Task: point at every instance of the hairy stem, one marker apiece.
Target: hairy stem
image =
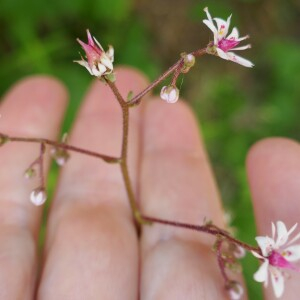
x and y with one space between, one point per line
209 229
124 152
137 99
106 158
221 260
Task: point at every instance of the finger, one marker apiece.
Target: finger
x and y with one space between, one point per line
177 184
91 240
274 177
32 108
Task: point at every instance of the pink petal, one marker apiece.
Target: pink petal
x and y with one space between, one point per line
90 39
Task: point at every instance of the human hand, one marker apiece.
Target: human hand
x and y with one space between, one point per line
92 250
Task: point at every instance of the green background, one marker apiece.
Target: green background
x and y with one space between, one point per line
237 106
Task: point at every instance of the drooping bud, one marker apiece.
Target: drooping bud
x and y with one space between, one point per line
239 252
61 156
38 196
169 93
235 290
3 139
30 173
188 62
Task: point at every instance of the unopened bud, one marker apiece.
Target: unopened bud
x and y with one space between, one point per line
61 156
38 196
3 139
188 62
235 290
30 173
239 252
169 93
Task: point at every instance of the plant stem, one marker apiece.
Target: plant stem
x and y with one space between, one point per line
221 261
106 158
124 152
137 99
209 229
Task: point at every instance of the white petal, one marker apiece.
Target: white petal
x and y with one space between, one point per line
266 244
282 234
110 53
210 25
273 231
292 253
234 34
222 54
257 255
243 38
99 45
240 60
98 71
208 15
293 228
222 27
84 64
106 61
294 239
277 282
262 274
241 48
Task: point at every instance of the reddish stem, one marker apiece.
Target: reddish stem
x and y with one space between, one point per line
209 229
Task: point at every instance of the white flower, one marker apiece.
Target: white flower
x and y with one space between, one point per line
99 63
38 196
277 254
169 93
222 43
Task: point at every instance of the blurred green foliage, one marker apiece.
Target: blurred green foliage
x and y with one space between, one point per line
237 107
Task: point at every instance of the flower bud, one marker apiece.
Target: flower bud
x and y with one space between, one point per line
61 156
188 62
3 139
239 252
38 196
30 173
169 93
235 290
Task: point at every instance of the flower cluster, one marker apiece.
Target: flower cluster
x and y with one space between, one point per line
223 44
277 254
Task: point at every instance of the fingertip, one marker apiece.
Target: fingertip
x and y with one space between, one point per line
47 87
176 121
268 154
132 77
273 167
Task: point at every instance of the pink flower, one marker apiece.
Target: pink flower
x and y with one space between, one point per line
277 254
98 63
223 44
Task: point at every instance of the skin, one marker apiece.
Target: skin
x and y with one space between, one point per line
92 250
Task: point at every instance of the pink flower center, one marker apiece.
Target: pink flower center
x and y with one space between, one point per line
277 260
226 45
